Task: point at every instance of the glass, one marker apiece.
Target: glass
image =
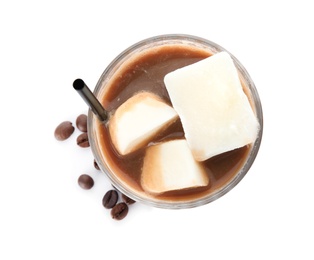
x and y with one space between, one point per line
100 89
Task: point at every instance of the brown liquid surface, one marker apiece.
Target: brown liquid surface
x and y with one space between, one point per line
147 73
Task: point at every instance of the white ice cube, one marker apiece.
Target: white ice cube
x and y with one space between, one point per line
215 112
138 120
171 166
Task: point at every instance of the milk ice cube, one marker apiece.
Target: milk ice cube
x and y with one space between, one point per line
138 120
215 112
171 166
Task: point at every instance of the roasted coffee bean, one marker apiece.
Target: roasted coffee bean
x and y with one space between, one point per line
82 140
64 130
81 122
127 200
96 165
85 181
110 199
119 211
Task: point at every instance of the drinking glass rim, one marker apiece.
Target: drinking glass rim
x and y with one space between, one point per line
148 44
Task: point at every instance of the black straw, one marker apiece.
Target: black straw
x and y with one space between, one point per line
90 99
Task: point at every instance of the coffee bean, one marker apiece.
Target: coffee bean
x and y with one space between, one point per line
96 165
64 130
119 211
110 199
81 122
82 140
85 181
127 200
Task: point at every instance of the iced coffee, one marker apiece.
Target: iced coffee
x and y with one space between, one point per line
184 125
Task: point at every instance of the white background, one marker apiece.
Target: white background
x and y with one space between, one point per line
45 45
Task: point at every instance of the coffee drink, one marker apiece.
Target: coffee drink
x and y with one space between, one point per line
144 71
